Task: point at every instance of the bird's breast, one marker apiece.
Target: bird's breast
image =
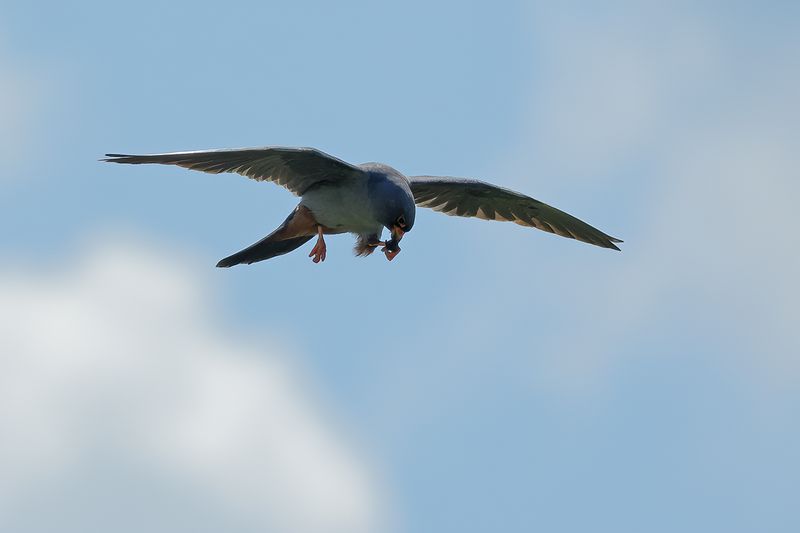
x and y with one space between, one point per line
345 209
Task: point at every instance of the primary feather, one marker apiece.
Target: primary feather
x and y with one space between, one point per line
297 169
473 198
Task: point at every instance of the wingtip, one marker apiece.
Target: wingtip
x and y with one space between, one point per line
611 243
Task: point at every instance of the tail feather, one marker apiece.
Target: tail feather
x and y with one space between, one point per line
266 248
298 228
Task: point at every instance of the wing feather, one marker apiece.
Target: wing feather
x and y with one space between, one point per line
297 169
473 198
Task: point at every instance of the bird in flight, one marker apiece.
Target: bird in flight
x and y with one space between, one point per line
338 197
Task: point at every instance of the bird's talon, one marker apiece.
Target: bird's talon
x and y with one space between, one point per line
319 251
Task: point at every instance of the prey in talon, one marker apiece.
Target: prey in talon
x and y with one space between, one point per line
339 197
391 249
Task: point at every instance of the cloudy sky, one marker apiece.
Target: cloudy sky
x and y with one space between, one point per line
492 377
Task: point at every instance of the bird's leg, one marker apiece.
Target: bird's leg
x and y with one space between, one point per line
390 247
319 250
366 244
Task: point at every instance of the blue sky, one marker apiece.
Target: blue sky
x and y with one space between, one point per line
492 376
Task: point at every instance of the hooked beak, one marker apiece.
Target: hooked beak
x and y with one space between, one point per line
397 233
391 249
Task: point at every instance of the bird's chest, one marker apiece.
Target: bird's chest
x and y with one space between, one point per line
344 209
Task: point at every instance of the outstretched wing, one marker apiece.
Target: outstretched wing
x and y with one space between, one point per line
297 169
473 198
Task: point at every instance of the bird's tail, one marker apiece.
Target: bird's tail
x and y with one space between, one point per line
293 233
266 248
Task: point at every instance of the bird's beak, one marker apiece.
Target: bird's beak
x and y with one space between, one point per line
397 233
391 249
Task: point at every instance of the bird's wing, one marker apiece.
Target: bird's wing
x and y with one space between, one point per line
297 169
473 198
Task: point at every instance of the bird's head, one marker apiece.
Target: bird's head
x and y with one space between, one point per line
393 203
401 225
398 228
399 221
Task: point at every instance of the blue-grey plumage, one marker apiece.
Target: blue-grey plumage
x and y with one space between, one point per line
393 190
337 197
383 199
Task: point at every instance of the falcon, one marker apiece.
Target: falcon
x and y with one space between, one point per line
339 197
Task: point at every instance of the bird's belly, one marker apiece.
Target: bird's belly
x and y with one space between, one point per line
342 210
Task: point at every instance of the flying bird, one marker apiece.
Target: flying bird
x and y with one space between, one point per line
338 197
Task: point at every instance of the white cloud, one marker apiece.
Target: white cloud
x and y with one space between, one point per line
714 117
20 95
606 77
715 251
115 363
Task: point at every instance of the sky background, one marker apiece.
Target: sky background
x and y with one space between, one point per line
492 377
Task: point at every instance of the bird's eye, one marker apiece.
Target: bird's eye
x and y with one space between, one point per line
401 221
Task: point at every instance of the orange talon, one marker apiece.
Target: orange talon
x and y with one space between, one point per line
319 251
